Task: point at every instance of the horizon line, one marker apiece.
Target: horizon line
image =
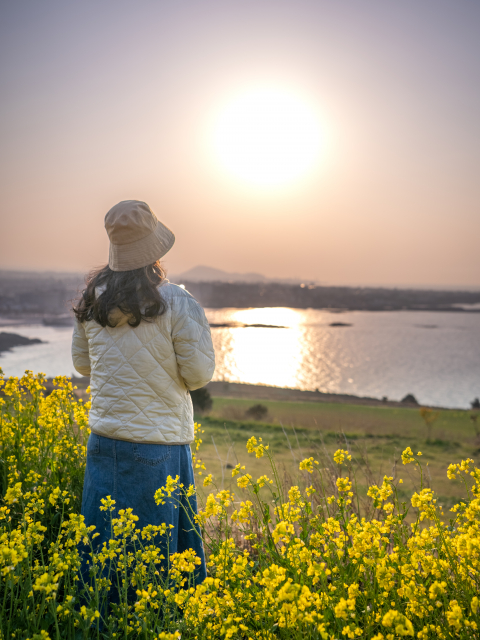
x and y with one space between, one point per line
307 281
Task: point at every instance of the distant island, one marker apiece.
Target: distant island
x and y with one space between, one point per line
300 296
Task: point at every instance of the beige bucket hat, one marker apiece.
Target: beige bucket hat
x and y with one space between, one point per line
137 238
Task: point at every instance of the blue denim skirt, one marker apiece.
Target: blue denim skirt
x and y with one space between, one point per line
131 473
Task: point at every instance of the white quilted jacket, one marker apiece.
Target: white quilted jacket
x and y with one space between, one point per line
140 376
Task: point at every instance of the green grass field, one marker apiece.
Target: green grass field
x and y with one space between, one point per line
376 437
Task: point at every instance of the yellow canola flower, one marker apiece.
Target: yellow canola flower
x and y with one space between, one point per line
399 622
254 446
407 456
54 496
47 583
191 491
43 635
451 471
260 451
344 484
166 491
437 589
225 498
236 470
208 480
423 499
380 494
125 523
269 559
282 532
294 495
107 504
474 605
462 467
455 615
185 562
307 465
340 455
263 480
13 493
343 607
244 481
212 508
244 513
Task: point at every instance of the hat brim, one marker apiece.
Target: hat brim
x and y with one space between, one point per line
141 253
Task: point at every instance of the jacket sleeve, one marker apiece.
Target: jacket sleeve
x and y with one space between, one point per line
80 357
192 342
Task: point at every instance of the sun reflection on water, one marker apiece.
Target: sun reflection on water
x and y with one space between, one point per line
269 354
284 347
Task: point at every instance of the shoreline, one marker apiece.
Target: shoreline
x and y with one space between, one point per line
28 319
224 389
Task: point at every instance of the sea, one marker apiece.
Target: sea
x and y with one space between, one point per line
433 355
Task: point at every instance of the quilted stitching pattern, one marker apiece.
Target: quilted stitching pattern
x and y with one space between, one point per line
140 376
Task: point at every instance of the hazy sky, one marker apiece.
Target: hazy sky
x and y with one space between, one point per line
108 100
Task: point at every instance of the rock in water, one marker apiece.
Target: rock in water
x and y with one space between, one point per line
9 340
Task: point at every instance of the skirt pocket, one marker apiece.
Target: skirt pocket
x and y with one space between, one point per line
151 454
93 445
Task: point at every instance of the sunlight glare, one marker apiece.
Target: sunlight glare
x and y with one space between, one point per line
267 137
252 354
276 316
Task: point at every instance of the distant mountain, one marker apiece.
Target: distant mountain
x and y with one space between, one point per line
203 273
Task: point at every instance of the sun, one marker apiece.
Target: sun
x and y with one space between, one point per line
267 137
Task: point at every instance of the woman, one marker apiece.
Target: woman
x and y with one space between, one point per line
145 343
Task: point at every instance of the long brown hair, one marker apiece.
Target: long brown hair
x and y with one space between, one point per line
134 292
